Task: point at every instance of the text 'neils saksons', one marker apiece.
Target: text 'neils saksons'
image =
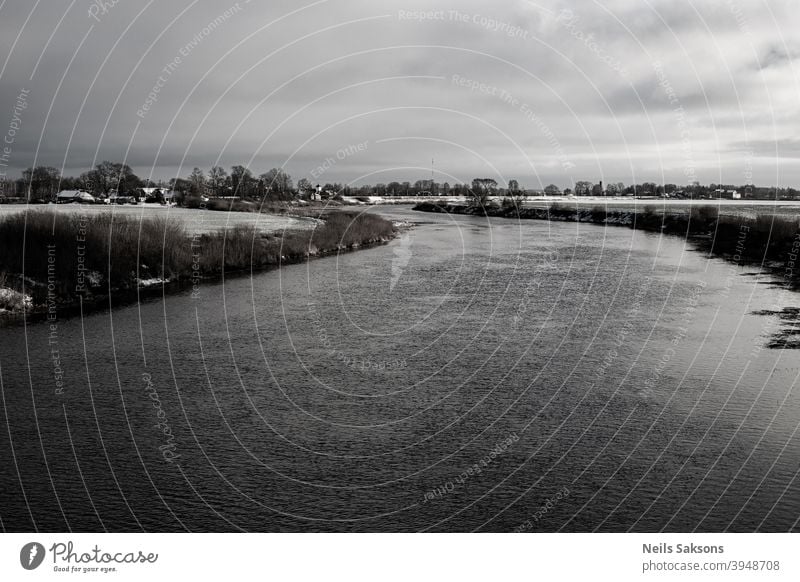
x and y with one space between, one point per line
663 548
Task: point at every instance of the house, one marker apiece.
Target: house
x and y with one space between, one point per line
79 196
159 194
727 194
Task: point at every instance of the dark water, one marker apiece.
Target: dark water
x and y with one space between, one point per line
472 375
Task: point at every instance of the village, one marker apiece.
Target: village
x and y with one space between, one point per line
116 183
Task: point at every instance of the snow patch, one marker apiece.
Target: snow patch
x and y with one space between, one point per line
151 282
11 300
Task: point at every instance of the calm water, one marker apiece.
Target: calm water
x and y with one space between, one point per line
472 375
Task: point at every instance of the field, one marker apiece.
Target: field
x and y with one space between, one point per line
734 208
739 208
194 220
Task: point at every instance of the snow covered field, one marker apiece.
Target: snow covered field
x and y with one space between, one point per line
727 207
195 220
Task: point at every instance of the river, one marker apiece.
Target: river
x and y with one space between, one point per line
473 375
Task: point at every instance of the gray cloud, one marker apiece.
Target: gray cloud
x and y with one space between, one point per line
289 83
778 55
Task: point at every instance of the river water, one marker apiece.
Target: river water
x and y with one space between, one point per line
474 374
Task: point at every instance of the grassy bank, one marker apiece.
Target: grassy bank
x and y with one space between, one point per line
765 240
270 207
51 259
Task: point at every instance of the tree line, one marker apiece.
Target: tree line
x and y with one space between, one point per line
43 183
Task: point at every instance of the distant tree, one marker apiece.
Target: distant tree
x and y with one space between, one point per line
597 189
7 188
516 195
552 190
514 189
393 188
70 183
482 189
241 181
198 181
217 179
42 182
180 185
108 176
86 181
277 183
20 188
567 191
611 189
305 188
583 188
445 189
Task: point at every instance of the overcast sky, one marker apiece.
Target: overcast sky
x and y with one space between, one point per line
644 90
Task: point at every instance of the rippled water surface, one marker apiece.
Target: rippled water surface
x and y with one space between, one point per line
473 374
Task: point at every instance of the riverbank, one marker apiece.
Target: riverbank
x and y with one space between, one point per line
766 240
52 262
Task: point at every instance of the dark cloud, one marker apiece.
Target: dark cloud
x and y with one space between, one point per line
290 84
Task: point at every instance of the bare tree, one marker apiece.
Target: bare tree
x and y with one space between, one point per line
217 178
198 181
482 189
108 176
583 188
42 182
305 188
277 183
242 181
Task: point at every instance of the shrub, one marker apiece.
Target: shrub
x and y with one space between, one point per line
777 230
599 214
193 202
704 216
648 219
100 250
105 252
